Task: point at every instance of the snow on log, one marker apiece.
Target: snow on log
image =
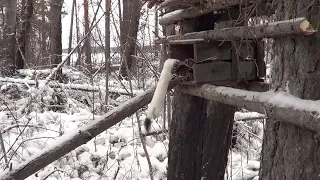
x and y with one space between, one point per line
274 29
81 87
192 12
279 105
71 140
171 3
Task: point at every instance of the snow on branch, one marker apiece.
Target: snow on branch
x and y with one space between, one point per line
71 140
81 87
193 12
268 30
279 105
170 3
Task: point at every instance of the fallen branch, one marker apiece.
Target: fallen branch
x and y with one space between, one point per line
80 87
279 105
80 136
268 30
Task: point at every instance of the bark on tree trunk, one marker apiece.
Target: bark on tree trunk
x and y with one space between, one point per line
55 34
290 152
107 48
23 33
74 2
129 31
200 132
9 38
87 47
43 45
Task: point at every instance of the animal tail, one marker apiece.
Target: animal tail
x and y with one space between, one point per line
147 124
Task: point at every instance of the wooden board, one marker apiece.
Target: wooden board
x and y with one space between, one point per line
222 71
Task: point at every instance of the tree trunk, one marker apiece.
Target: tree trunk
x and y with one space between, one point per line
87 47
43 44
27 13
74 2
200 131
9 38
55 34
107 48
129 31
291 152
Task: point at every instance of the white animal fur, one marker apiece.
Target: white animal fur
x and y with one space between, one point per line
157 102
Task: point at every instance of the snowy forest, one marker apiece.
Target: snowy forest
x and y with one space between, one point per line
234 87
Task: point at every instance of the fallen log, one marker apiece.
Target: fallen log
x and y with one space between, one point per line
279 105
80 87
71 140
269 30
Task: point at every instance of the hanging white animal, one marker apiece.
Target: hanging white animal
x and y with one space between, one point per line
157 102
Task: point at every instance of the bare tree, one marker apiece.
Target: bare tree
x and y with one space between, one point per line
87 48
74 2
289 151
107 46
55 33
129 29
9 38
25 20
43 44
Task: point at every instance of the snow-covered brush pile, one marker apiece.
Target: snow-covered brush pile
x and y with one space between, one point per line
115 154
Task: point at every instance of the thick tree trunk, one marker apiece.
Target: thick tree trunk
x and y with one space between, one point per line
200 131
23 33
7 64
129 31
291 152
55 33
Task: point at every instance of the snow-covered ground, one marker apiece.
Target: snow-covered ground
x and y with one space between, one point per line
116 153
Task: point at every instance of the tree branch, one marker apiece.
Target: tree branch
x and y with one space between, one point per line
279 105
274 29
71 140
193 12
80 87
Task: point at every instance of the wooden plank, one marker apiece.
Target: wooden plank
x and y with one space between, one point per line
222 71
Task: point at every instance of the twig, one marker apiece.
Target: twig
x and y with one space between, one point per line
23 107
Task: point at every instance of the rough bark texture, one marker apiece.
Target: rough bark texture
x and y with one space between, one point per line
129 31
55 33
23 33
290 152
7 63
199 133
